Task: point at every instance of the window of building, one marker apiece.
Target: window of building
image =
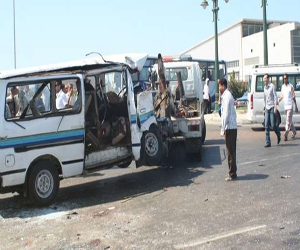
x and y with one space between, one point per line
296 46
249 29
233 64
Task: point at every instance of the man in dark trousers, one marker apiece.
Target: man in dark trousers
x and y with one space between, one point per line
270 110
229 128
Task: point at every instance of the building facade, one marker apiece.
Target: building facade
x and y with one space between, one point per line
241 46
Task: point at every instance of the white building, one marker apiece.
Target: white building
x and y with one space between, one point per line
241 45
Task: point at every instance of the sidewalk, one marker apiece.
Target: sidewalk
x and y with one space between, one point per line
214 118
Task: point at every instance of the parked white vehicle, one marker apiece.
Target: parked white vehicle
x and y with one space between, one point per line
41 144
256 89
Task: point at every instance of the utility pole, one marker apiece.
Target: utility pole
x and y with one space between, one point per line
15 50
215 10
265 27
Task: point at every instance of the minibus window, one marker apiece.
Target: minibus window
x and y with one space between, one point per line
280 82
260 84
297 83
291 80
32 98
172 76
273 79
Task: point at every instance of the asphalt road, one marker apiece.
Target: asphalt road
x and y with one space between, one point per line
182 205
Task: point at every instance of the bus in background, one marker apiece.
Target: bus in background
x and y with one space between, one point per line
207 68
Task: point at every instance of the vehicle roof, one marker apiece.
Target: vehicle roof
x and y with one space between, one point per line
134 61
179 64
275 69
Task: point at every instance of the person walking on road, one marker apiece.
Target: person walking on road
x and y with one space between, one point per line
288 96
206 97
270 110
229 128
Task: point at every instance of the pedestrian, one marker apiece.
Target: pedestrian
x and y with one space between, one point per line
288 96
206 97
229 128
270 109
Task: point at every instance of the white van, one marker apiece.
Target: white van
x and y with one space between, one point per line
104 127
256 89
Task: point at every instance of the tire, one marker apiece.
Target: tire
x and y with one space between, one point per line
125 164
203 132
153 146
194 148
43 184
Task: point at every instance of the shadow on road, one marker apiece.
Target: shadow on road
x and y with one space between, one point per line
251 177
178 172
280 128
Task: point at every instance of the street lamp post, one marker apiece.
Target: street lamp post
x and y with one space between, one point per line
265 27
15 50
215 12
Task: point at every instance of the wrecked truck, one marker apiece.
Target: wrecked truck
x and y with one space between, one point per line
45 138
179 105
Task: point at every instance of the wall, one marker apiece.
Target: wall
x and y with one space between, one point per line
253 49
229 46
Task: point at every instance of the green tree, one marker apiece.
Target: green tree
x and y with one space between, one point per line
237 88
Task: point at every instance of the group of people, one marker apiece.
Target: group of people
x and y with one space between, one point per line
18 98
271 101
65 97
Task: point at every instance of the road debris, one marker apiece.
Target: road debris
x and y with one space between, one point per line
111 208
285 176
127 199
206 199
164 190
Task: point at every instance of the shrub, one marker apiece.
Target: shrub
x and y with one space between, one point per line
237 88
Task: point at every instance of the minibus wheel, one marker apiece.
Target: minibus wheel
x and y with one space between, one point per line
153 146
125 164
43 183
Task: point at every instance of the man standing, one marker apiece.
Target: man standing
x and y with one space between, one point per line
270 108
229 128
288 96
206 97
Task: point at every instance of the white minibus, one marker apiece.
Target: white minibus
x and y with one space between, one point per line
256 89
45 138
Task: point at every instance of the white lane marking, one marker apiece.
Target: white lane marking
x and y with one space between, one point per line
218 237
279 157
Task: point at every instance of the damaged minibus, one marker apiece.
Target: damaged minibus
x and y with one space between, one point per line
44 137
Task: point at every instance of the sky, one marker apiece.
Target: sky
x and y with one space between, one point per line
52 31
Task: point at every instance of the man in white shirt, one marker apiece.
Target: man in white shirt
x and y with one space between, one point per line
206 97
270 109
70 96
229 128
61 98
288 96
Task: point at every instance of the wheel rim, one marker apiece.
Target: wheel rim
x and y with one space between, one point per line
151 146
44 184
